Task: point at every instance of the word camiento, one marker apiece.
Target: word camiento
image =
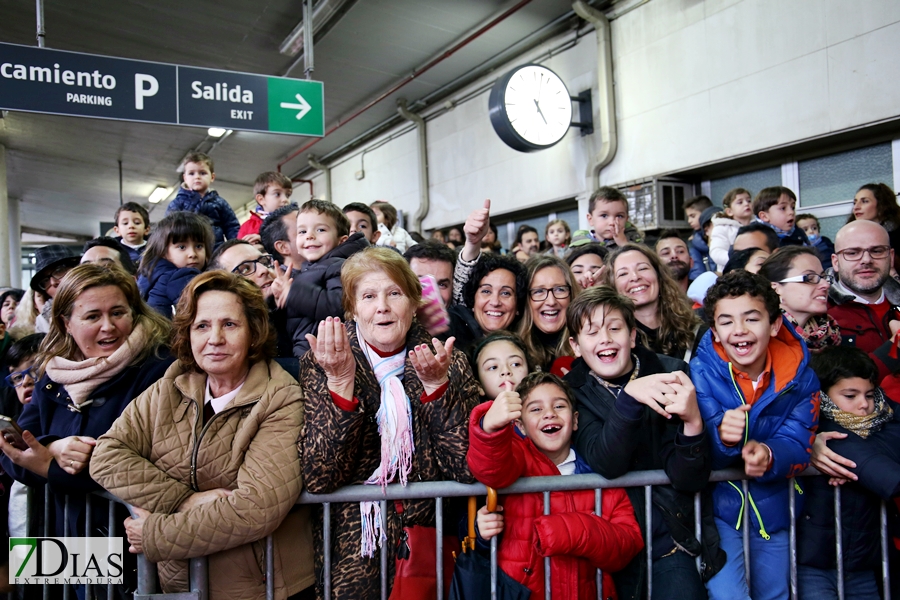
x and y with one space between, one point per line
43 74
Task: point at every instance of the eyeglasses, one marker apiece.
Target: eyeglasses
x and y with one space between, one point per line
854 254
810 278
248 267
55 277
18 378
559 292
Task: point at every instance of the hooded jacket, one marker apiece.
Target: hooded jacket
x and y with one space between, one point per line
699 251
164 286
577 541
317 293
784 417
721 239
159 453
223 220
250 226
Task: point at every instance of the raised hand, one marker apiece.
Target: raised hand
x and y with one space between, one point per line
281 287
332 350
432 367
756 458
476 227
731 431
653 391
506 409
619 234
683 402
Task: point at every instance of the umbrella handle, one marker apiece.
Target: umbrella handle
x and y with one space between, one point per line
491 499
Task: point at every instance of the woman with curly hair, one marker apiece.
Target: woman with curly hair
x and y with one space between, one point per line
663 312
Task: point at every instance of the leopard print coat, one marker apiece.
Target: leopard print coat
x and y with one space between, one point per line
343 448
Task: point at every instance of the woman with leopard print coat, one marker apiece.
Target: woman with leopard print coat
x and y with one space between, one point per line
378 370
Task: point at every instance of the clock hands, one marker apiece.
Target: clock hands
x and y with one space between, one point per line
538 106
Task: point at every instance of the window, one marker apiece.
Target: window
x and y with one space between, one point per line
836 177
752 181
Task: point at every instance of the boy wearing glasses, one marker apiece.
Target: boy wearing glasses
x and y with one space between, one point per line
865 298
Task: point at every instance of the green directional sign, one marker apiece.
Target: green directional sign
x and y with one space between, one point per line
296 106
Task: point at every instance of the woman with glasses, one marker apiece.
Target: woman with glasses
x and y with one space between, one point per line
662 310
104 348
551 287
797 275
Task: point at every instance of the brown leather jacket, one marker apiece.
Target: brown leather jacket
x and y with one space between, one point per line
158 453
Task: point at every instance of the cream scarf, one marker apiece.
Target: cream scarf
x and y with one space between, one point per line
84 376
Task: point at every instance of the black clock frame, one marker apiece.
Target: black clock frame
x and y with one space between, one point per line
500 118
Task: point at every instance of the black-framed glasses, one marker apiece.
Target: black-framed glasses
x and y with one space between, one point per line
17 378
56 275
810 278
248 267
560 292
853 254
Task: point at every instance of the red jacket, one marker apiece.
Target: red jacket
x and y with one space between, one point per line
578 541
250 226
861 327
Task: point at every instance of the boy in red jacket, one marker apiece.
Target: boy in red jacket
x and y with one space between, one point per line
578 541
272 190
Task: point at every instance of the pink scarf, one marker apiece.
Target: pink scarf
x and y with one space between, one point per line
84 376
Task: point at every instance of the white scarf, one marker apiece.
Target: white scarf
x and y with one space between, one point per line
394 418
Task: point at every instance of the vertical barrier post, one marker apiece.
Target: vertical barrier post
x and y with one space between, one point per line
746 526
66 532
648 515
792 508
326 535
47 500
838 542
547 592
698 530
494 568
111 526
88 530
199 576
439 540
270 567
598 510
384 551
885 568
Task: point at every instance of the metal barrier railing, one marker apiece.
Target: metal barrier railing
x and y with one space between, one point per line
148 584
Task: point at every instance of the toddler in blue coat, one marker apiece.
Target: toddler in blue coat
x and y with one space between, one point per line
760 401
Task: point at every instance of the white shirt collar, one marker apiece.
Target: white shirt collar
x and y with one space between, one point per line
842 288
567 467
222 401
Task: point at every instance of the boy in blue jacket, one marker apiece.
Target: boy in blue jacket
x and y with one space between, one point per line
196 197
760 401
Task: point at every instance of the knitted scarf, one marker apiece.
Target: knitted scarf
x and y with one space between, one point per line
861 426
820 332
394 418
82 377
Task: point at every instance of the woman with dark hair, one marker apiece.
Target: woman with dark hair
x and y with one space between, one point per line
662 310
104 348
551 286
748 259
587 263
878 202
802 284
208 454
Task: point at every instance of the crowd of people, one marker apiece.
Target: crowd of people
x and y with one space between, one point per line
206 372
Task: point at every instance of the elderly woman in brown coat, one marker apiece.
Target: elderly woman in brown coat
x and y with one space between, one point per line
208 454
378 370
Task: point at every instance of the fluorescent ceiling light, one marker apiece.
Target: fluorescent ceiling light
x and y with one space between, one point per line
159 194
216 132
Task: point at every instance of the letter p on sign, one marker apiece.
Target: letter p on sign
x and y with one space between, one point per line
144 87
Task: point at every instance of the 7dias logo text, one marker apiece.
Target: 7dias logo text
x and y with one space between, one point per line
65 560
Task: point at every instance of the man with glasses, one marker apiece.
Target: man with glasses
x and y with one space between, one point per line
865 298
51 265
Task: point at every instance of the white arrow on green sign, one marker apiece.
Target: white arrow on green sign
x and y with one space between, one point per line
296 106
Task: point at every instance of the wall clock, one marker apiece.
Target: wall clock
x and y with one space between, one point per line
530 108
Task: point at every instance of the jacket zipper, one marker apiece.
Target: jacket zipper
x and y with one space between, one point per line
196 450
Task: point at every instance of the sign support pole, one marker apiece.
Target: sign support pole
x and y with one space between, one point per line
39 10
308 57
4 221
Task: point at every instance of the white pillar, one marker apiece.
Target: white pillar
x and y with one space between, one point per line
4 220
15 243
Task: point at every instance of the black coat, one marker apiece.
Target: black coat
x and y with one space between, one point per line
317 293
617 435
877 461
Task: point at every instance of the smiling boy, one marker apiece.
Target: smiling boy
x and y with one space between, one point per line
638 411
760 401
271 190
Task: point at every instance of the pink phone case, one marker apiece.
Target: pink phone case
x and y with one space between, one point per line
440 319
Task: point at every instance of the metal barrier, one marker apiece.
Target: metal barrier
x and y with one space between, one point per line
148 584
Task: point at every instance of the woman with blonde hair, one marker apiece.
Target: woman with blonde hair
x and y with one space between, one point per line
551 286
104 348
662 310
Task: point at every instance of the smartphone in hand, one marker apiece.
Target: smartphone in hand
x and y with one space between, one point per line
12 433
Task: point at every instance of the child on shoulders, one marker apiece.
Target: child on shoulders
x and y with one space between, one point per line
133 227
271 190
558 235
760 401
775 206
738 211
196 197
528 433
178 250
608 219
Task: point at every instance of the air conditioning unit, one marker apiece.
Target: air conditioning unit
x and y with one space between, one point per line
657 203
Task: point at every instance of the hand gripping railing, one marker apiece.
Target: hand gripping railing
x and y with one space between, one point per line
148 585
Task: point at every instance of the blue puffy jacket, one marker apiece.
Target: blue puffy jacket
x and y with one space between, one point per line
164 286
699 251
784 417
224 222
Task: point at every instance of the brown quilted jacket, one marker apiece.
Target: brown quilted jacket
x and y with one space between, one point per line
343 448
250 447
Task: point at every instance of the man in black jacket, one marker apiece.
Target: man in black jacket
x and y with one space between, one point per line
638 411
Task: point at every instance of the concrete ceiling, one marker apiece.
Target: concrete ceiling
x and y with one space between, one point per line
64 170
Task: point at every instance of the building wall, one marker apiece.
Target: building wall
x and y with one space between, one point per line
697 82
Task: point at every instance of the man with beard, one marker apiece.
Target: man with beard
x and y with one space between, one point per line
675 254
865 299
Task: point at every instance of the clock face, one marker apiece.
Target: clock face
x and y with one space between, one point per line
530 108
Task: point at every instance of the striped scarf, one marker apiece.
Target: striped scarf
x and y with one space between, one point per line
394 418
